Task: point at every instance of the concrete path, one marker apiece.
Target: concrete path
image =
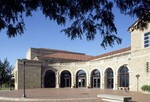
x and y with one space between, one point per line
66 95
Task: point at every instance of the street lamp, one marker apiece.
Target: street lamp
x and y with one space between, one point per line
137 76
24 93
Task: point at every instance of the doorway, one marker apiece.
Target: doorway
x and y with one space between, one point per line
65 79
81 79
66 82
109 78
49 79
95 79
96 82
81 82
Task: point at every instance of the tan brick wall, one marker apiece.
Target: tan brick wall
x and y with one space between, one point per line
138 65
28 54
139 57
32 74
137 39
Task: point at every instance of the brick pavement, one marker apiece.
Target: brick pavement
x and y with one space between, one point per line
67 95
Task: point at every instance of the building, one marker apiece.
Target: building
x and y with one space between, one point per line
118 70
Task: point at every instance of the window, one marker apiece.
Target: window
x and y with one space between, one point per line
109 78
147 39
123 76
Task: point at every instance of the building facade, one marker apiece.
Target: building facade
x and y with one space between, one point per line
127 68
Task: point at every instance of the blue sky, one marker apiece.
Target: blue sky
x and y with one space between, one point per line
43 33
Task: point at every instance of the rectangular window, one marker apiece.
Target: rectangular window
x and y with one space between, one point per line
147 39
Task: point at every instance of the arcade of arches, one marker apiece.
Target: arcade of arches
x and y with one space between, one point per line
125 68
80 79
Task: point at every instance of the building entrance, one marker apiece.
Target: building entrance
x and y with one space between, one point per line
66 82
81 82
49 79
96 82
95 79
109 78
65 79
123 76
81 79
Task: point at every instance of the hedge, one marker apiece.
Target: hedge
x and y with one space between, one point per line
146 88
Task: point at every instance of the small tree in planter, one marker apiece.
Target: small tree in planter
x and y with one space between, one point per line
146 88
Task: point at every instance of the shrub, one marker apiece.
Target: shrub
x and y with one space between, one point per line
146 88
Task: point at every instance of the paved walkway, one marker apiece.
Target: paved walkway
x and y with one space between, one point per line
66 95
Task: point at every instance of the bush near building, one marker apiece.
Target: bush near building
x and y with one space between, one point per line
146 88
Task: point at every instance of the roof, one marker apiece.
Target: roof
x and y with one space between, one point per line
70 56
80 57
55 50
112 53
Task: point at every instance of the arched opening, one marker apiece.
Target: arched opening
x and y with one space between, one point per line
95 79
109 80
123 77
81 79
65 79
49 79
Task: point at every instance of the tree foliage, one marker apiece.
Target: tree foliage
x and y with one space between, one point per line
88 17
136 8
5 71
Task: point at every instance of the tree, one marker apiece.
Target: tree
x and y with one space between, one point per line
5 71
89 17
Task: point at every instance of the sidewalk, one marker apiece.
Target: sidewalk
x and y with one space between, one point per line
66 95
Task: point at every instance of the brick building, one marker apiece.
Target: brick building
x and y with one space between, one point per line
49 68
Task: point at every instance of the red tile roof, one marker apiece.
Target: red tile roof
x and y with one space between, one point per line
81 57
69 56
56 51
112 53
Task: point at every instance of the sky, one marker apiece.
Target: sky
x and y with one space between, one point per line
42 33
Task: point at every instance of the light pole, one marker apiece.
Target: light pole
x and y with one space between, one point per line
137 76
24 93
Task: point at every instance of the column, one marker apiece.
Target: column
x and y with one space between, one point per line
102 81
87 80
72 81
57 80
115 81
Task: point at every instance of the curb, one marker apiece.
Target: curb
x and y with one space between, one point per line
33 99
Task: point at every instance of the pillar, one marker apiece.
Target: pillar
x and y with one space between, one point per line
115 81
57 80
72 81
102 80
89 80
